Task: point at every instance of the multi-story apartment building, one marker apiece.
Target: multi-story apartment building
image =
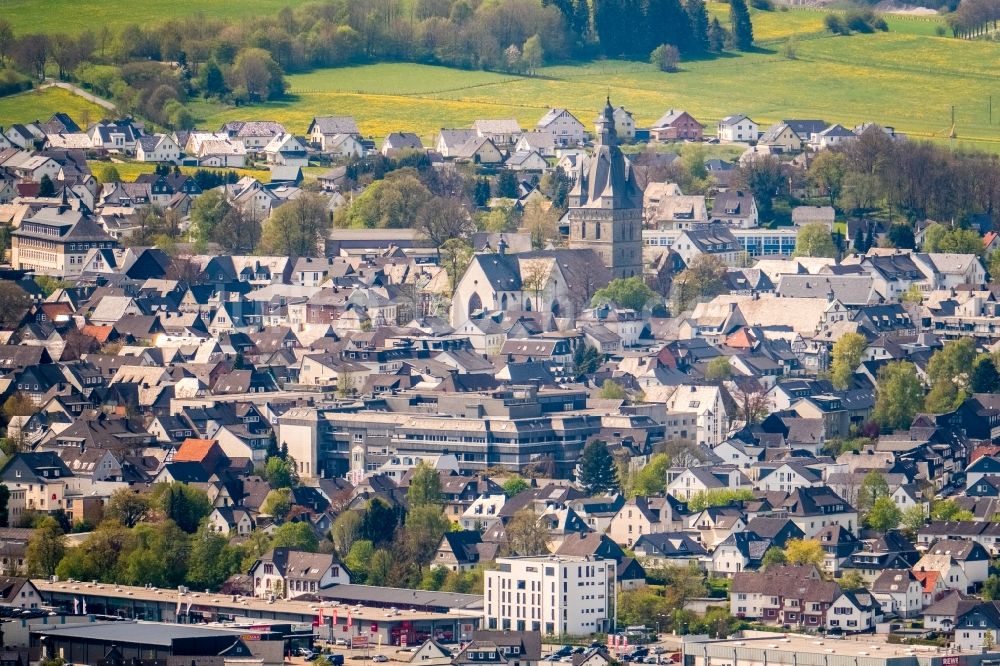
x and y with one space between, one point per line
512 428
556 595
56 241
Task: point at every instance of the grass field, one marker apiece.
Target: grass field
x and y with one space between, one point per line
72 16
909 80
40 105
129 171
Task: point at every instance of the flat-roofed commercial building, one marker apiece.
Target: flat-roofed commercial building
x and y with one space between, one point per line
153 643
768 649
352 617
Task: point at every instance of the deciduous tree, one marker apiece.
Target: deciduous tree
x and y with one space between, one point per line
846 357
718 369
514 486
255 76
826 173
14 304
344 531
277 504
703 279
425 487
884 515
295 228
805 551
814 240
899 395
631 293
526 535
46 547
128 507
651 479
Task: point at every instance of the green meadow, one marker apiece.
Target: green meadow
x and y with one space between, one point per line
908 78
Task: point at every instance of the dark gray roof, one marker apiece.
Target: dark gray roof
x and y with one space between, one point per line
400 597
848 289
148 633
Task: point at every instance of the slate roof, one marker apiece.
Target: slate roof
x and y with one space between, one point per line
334 125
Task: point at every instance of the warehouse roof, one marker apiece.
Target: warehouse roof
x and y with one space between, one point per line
147 633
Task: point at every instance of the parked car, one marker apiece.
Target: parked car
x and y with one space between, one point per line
380 658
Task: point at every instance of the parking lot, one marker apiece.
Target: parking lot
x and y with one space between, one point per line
658 652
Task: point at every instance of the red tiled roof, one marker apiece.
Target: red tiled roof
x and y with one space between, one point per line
193 450
99 333
928 579
28 189
983 451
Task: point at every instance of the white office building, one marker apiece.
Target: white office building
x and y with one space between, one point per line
556 595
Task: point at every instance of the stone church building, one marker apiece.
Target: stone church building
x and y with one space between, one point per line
605 242
605 205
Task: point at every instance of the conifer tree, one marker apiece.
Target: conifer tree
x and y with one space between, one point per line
597 469
739 19
698 21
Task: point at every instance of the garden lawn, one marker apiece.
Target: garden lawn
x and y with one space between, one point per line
130 171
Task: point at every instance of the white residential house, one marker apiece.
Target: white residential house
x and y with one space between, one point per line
226 520
853 612
157 148
788 477
325 131
286 150
645 515
710 405
483 513
735 208
565 128
526 160
834 135
24 136
898 591
624 124
947 568
504 133
216 150
738 128
971 556
343 145
287 573
945 270
543 143
530 594
692 481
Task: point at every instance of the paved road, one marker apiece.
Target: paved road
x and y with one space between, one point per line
77 90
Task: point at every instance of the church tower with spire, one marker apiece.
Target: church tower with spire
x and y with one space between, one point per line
605 204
